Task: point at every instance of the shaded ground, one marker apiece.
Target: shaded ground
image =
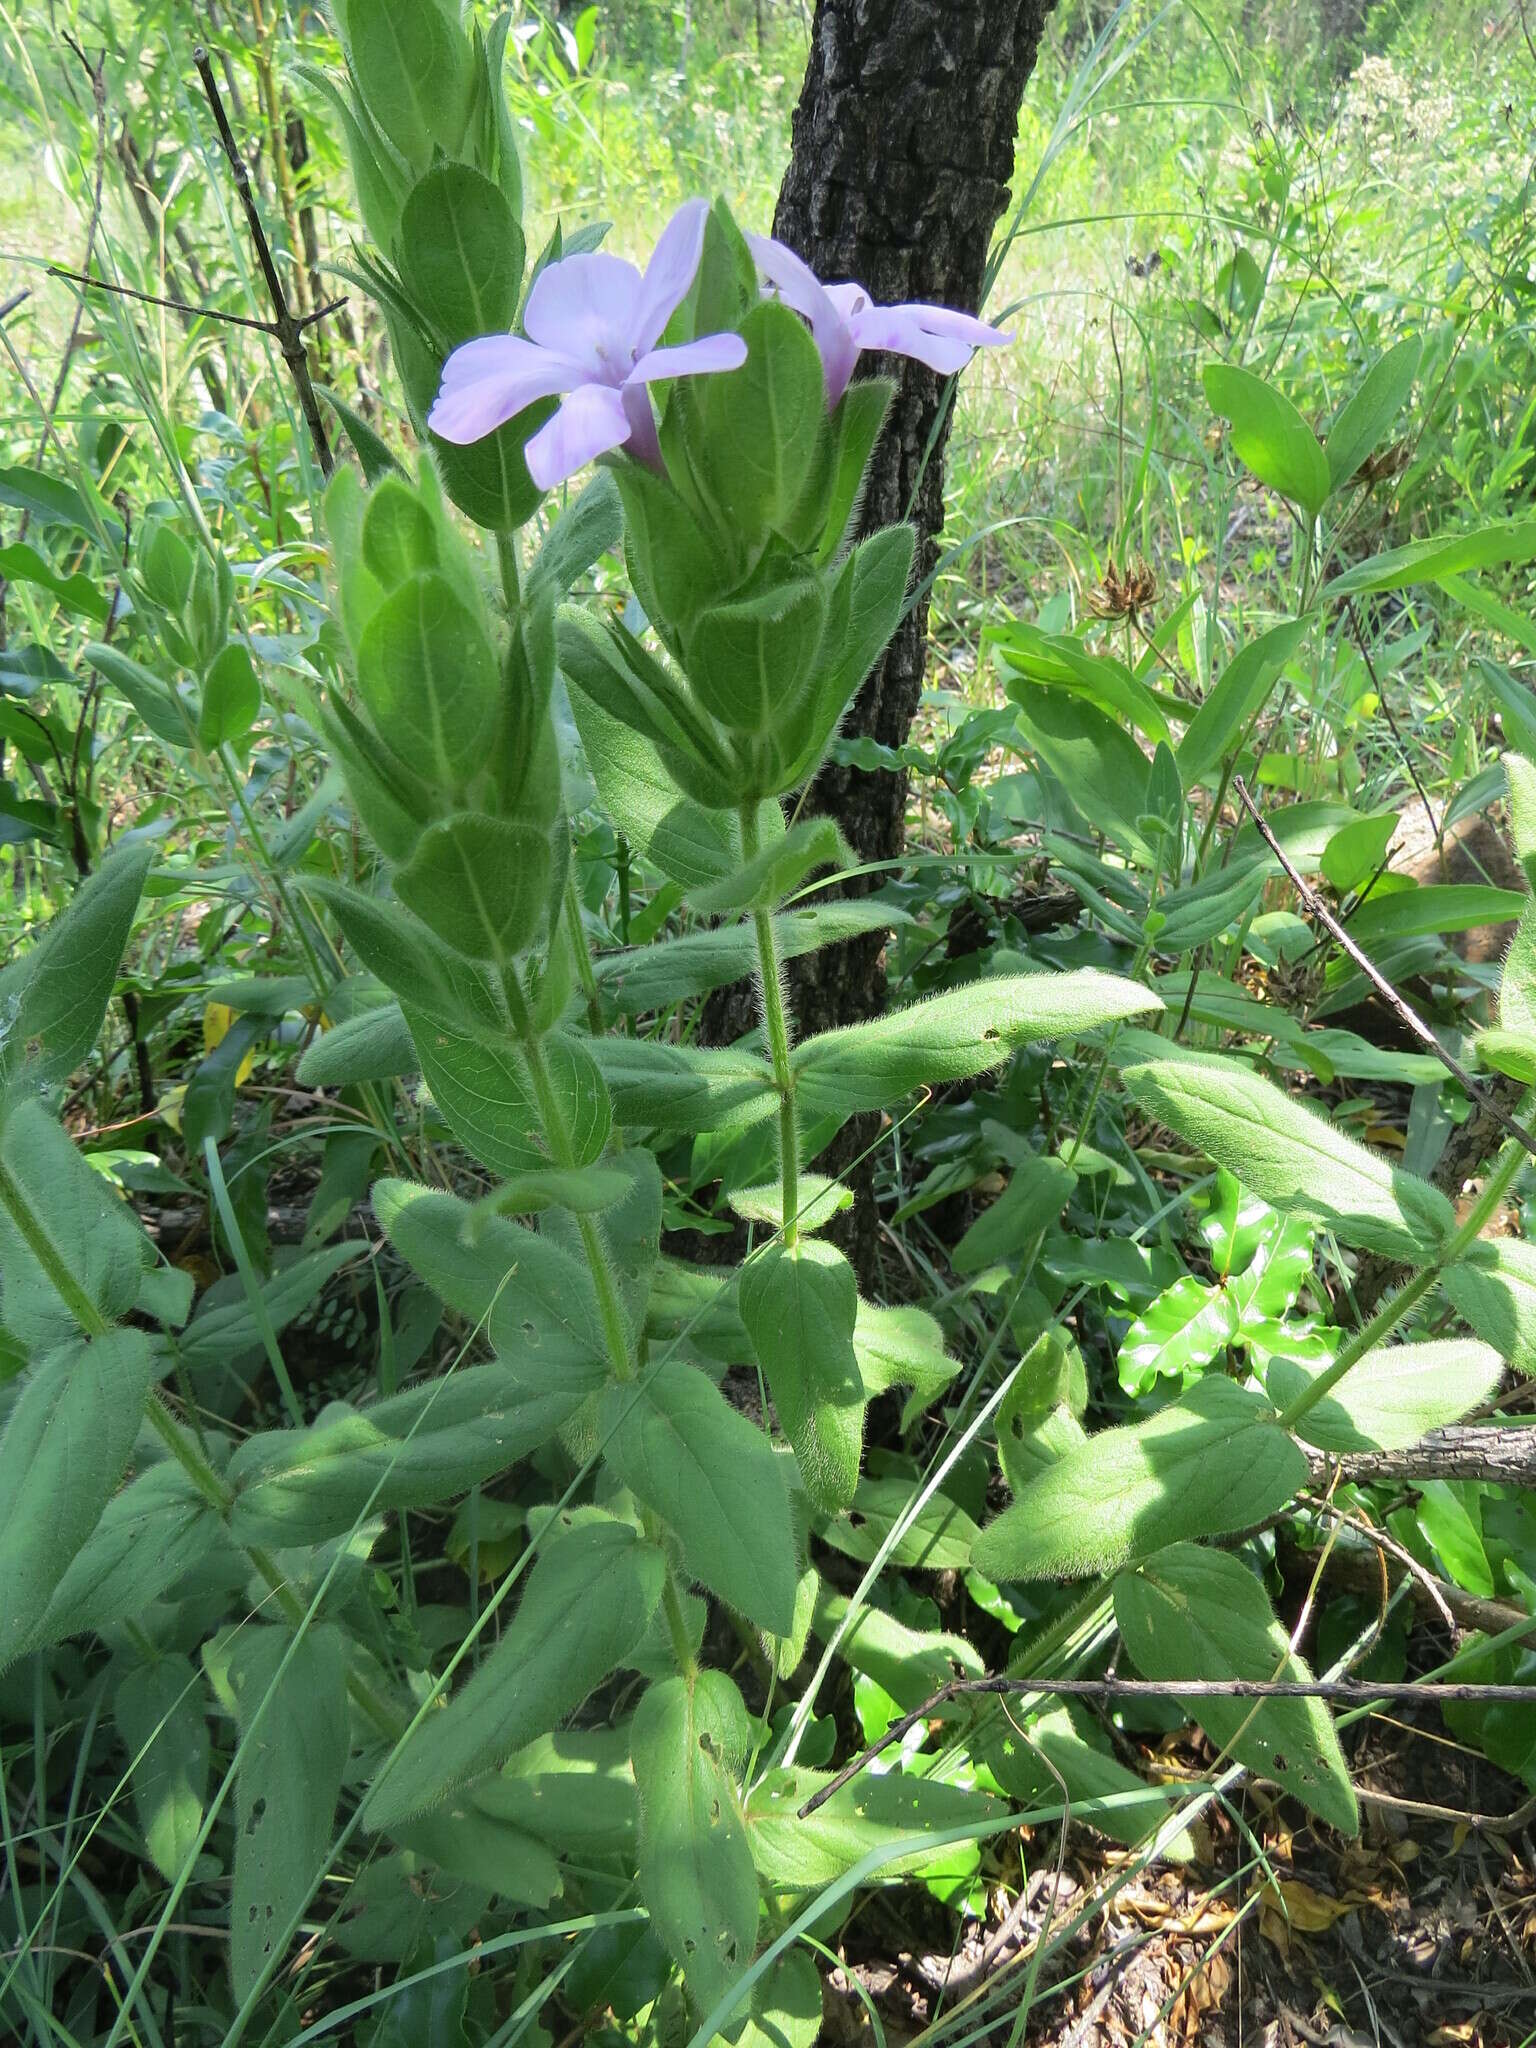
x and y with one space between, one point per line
1420 1935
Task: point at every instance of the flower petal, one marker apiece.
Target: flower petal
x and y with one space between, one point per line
904 331
489 381
673 266
958 326
691 359
796 283
585 306
590 422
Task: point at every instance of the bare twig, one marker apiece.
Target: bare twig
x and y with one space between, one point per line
1405 1013
1436 825
1344 1691
8 306
286 330
126 291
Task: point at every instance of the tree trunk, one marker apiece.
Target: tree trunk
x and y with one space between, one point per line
901 166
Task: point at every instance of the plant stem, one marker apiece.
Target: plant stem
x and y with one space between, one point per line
558 1135
47 1254
776 1020
583 958
677 1628
1512 1157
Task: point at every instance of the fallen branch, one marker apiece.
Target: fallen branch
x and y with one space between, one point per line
1342 1691
1504 1456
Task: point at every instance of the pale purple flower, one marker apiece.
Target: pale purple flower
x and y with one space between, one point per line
592 325
845 321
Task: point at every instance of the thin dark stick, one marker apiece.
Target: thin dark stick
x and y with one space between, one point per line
286 330
1386 712
1346 1691
126 291
8 306
1389 995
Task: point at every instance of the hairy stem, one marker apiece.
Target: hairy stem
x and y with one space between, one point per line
558 1137
776 1022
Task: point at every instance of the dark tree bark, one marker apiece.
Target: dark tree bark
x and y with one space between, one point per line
901 166
902 163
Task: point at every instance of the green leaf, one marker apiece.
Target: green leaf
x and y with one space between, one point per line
77 593
902 1347
1285 1152
688 1740
1188 1325
1419 909
461 253
479 882
1392 1397
757 428
430 680
863 1817
1065 1743
1098 764
1062 662
414 1450
746 660
712 1477
157 1528
223 1330
572 1789
411 67
910 1664
375 1045
591 526
953 1036
818 1200
1035 1196
65 1447
785 2007
482 1088
681 837
53 998
378 459
778 869
159 1714
1235 699
1370 410
799 1304
1192 1613
231 698
293 1725
585 1608
1493 1287
161 709
393 943
1213 1461
645 978
53 502
479 1850
1431 561
530 1293
1358 850
1269 435
683 1087
938 1538
93 1231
